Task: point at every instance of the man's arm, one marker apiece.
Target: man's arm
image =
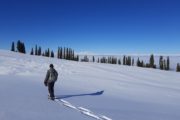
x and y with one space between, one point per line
47 77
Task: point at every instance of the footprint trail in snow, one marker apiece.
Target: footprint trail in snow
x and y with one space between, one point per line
82 110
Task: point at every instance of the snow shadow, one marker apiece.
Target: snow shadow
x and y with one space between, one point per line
79 95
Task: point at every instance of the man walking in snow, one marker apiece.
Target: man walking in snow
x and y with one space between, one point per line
51 78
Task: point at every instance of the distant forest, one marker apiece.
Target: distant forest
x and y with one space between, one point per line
69 54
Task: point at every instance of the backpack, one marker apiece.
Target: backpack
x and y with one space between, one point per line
53 75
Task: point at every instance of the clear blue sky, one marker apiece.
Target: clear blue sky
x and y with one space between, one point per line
98 26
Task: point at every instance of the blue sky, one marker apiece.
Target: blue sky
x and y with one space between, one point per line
97 26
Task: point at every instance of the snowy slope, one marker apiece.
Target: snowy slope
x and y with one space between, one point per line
130 93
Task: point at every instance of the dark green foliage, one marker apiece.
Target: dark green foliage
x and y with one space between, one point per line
93 59
43 54
21 47
98 60
52 54
147 65
109 60
60 53
161 66
119 61
32 52
48 53
85 59
128 60
140 63
164 64
36 50
124 60
178 68
13 47
151 62
168 63
133 62
39 51
66 53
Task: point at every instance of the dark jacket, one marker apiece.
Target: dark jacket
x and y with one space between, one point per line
51 76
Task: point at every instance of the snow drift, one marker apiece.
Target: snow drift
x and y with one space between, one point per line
129 93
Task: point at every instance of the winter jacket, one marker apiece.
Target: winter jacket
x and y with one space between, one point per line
51 76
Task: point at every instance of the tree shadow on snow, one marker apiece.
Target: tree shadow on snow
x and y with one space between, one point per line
79 95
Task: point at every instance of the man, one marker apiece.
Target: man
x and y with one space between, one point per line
51 78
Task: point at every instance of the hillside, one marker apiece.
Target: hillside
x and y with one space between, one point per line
129 93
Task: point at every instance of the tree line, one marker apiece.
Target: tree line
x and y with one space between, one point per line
164 63
69 54
62 53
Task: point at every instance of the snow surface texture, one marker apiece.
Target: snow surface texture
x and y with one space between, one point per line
129 93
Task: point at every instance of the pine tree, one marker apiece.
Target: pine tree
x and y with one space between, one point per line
124 60
39 51
164 64
161 66
168 62
133 62
52 54
98 60
77 57
138 62
32 52
119 61
36 50
73 55
178 68
93 59
58 53
151 61
64 55
13 47
21 47
43 54
48 53
61 53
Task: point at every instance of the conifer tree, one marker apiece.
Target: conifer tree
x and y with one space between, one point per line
72 54
64 55
39 51
52 54
13 47
58 53
124 60
151 61
161 66
93 59
32 52
36 50
119 61
164 64
61 53
168 63
133 62
48 53
21 47
178 68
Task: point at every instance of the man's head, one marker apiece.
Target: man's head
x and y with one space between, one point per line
51 66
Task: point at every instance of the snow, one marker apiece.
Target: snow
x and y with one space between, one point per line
129 92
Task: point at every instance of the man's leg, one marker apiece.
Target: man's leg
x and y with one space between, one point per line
51 89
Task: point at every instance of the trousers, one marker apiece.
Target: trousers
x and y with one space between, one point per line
51 89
